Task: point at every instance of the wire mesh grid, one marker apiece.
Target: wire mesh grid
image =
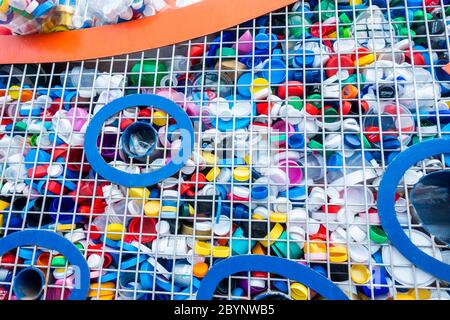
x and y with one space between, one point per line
115 260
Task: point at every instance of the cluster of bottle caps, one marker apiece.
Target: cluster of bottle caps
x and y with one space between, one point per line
23 17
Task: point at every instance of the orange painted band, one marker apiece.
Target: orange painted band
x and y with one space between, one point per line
165 28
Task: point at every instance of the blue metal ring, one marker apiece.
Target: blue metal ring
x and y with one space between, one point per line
386 202
53 241
283 267
137 180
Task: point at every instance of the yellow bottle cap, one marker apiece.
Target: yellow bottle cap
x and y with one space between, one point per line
299 291
314 247
159 118
191 210
212 174
360 274
106 289
4 205
421 294
277 217
209 158
202 248
151 208
241 174
338 254
355 2
274 234
368 59
139 193
14 92
115 231
65 227
256 216
258 249
258 85
221 252
169 209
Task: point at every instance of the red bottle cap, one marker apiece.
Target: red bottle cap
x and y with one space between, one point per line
290 89
145 234
333 66
199 178
39 171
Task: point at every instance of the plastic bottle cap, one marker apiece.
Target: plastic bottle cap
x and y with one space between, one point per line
115 231
360 274
241 174
200 269
55 170
299 291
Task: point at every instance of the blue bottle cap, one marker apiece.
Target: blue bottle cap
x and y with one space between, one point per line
414 3
335 162
294 193
304 58
43 8
296 141
262 41
274 70
280 285
260 192
352 141
36 157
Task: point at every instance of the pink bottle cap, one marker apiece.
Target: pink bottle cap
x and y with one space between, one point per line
245 43
294 171
78 117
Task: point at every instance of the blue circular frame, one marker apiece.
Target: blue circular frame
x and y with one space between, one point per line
283 267
128 179
53 241
386 202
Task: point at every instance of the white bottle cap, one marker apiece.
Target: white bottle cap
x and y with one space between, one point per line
298 214
163 228
356 233
223 227
358 253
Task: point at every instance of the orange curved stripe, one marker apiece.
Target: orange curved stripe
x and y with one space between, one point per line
163 29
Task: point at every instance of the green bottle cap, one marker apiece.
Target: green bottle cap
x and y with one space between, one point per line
326 8
315 99
33 140
226 52
58 261
296 102
377 235
315 145
20 126
419 15
151 70
297 26
330 115
343 18
347 32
